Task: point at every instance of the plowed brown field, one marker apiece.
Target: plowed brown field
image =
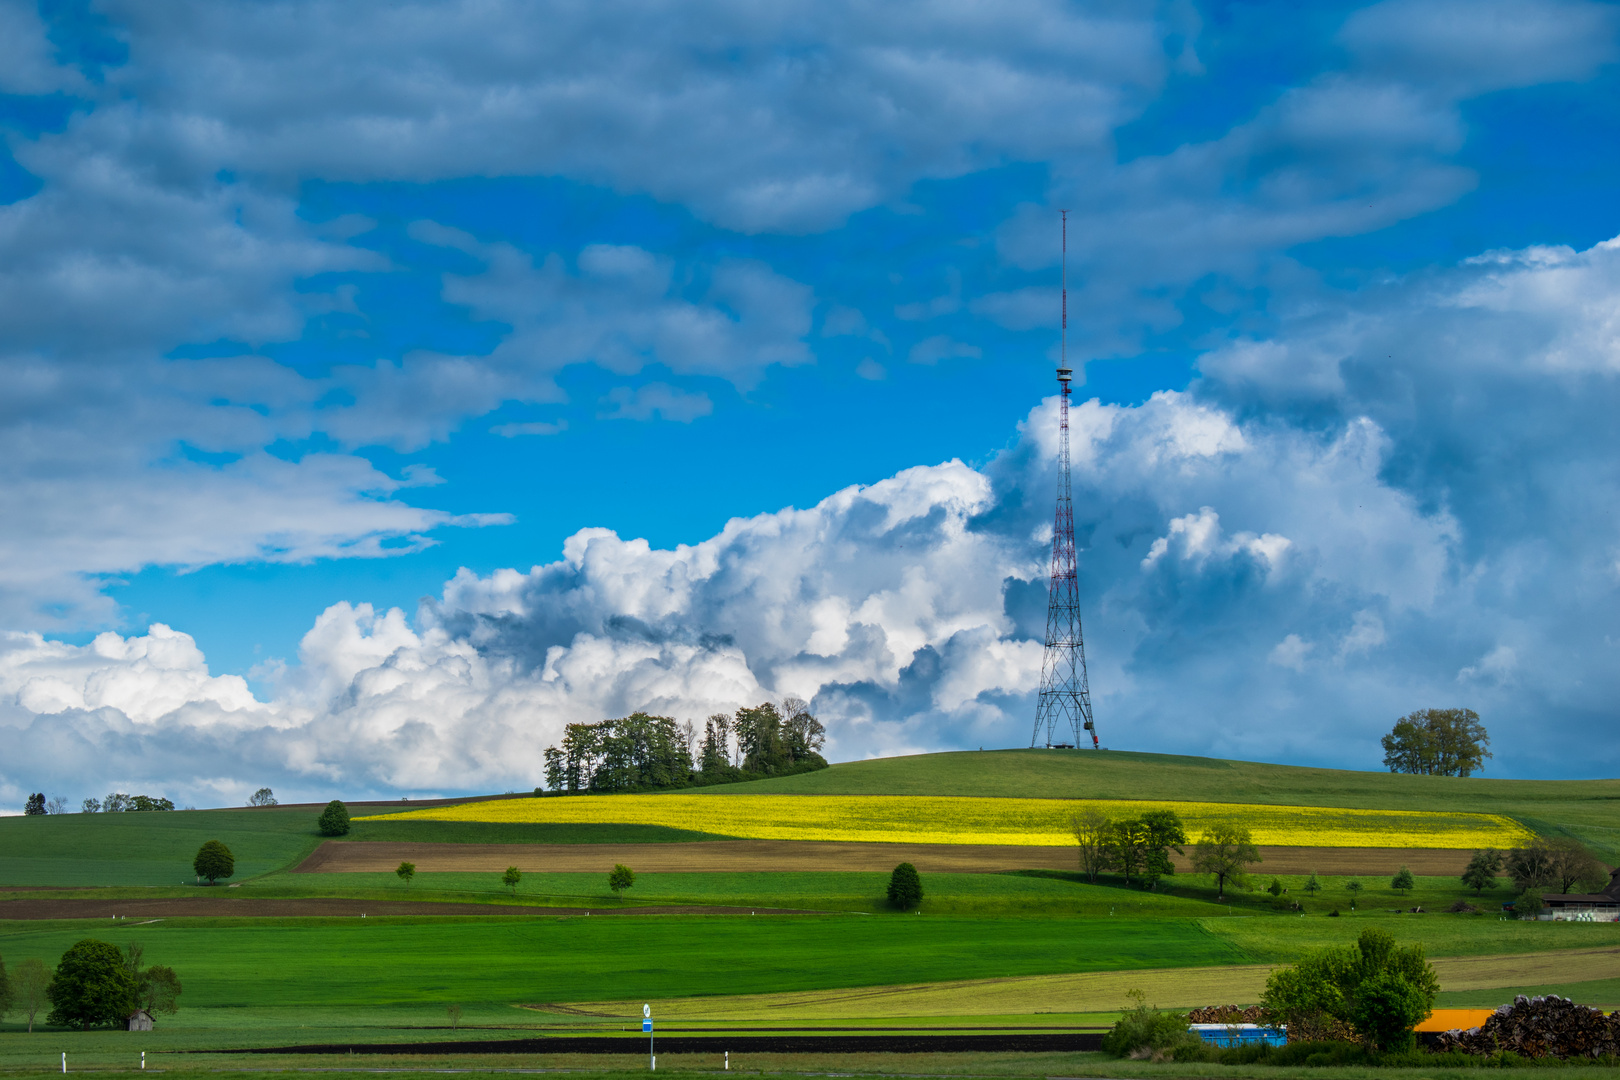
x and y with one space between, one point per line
730 856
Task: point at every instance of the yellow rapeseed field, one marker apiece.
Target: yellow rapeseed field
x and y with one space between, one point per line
1034 822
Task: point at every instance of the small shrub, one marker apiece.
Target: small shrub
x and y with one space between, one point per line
905 887
1144 1032
1463 907
214 861
1334 914
334 819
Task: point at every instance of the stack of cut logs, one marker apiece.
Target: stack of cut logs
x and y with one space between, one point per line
1224 1014
1540 1027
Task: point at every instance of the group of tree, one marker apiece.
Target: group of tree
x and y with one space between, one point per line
263 797
117 803
1138 847
95 984
1373 990
646 753
36 805
1437 742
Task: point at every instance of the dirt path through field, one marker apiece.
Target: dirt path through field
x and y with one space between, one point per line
721 856
1096 991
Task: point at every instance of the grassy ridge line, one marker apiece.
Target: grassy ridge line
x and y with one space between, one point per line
974 820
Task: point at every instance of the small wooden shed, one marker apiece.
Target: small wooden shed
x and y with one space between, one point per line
140 1020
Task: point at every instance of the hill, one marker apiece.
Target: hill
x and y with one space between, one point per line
1589 809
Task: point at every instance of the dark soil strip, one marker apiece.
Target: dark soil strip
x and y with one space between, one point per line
268 907
717 1044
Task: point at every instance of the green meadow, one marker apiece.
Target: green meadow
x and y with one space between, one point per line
272 981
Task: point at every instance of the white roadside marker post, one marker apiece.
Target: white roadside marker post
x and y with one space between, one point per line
64 1061
646 1025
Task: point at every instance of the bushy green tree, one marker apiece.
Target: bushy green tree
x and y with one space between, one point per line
91 987
1162 833
1403 882
620 878
1482 870
214 861
1225 852
405 871
34 806
511 878
1437 742
334 819
1374 988
1528 904
1312 886
263 797
1353 887
905 887
1275 888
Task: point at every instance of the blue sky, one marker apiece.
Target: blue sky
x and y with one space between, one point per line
316 311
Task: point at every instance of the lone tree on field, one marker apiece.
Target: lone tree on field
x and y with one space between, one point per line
214 861
905 887
263 797
1312 887
406 871
511 878
1354 888
1402 882
1482 870
1226 852
620 878
1437 742
454 1012
91 987
28 984
35 806
334 819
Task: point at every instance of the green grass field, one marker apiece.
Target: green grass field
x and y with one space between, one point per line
278 981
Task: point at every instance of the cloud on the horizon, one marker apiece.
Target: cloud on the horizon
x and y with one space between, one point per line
1253 586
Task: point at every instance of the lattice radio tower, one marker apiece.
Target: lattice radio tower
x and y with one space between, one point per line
1064 707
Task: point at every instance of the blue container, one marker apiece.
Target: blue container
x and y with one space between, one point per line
1240 1034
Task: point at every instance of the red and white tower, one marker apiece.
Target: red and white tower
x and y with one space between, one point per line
1064 707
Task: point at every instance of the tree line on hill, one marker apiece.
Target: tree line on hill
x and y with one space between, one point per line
655 753
94 984
115 803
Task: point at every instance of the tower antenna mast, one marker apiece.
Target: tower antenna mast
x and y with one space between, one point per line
1063 709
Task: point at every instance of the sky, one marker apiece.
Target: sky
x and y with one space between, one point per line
387 385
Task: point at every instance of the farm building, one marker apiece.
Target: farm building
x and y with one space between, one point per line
140 1020
1585 907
